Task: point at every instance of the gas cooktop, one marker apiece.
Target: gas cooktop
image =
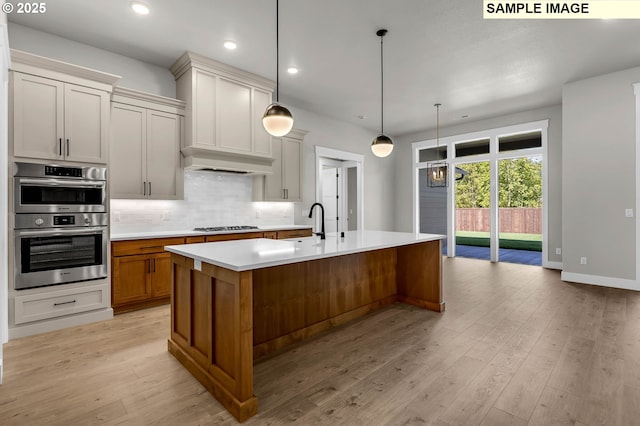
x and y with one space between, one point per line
225 228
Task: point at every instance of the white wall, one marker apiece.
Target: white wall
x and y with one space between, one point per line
210 199
379 174
599 151
404 167
4 281
135 74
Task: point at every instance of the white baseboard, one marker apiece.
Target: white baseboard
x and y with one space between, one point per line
552 265
59 323
601 281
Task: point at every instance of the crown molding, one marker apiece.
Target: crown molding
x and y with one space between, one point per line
192 60
146 100
39 65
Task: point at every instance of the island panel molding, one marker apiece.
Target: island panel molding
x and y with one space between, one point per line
225 313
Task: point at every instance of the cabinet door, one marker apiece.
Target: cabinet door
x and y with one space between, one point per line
234 116
127 151
204 110
161 277
261 139
273 189
38 117
131 278
291 150
86 117
163 155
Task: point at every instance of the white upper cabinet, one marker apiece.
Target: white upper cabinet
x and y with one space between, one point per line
146 135
223 119
59 111
284 184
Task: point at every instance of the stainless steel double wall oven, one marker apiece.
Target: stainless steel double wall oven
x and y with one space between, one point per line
60 226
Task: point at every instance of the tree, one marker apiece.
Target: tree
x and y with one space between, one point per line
519 179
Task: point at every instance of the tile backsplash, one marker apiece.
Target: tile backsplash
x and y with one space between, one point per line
210 199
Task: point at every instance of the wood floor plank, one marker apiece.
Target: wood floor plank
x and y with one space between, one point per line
520 396
515 346
497 417
555 408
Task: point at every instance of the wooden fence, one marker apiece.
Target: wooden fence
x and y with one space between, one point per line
517 220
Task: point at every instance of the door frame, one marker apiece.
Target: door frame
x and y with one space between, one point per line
350 160
493 157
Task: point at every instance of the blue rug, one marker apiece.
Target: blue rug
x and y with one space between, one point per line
524 257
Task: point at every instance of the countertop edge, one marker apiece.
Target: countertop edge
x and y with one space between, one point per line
305 258
127 236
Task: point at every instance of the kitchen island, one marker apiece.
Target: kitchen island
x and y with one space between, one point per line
234 301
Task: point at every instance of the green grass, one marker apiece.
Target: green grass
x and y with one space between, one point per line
532 242
503 235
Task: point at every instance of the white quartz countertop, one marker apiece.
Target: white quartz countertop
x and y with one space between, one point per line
244 255
191 232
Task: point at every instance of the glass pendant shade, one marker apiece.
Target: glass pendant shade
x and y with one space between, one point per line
382 145
277 120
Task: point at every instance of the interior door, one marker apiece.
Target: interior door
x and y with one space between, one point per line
331 188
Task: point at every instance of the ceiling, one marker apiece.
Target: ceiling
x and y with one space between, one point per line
436 51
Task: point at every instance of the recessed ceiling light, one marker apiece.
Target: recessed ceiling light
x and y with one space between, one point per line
293 70
139 7
231 45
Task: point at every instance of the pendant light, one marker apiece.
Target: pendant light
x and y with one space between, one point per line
382 145
277 120
437 175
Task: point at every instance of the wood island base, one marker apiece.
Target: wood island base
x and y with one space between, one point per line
222 319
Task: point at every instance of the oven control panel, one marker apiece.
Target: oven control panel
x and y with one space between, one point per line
63 171
77 220
64 220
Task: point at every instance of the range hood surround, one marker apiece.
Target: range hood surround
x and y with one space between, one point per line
223 116
205 159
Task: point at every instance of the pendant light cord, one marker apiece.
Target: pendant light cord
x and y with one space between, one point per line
437 131
381 86
277 51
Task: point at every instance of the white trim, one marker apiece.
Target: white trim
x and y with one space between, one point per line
552 265
636 90
60 323
5 64
599 280
357 160
29 63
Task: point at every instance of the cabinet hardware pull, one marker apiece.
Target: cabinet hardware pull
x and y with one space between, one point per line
68 152
60 147
149 189
150 247
154 266
144 186
64 303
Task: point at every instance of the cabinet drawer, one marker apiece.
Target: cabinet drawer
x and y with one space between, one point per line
229 237
156 245
34 307
294 233
273 235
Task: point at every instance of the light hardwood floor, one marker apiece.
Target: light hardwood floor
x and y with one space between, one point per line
516 346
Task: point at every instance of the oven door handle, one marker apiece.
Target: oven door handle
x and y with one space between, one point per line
65 183
62 232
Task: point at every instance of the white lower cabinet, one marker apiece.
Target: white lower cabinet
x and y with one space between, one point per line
145 149
58 303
